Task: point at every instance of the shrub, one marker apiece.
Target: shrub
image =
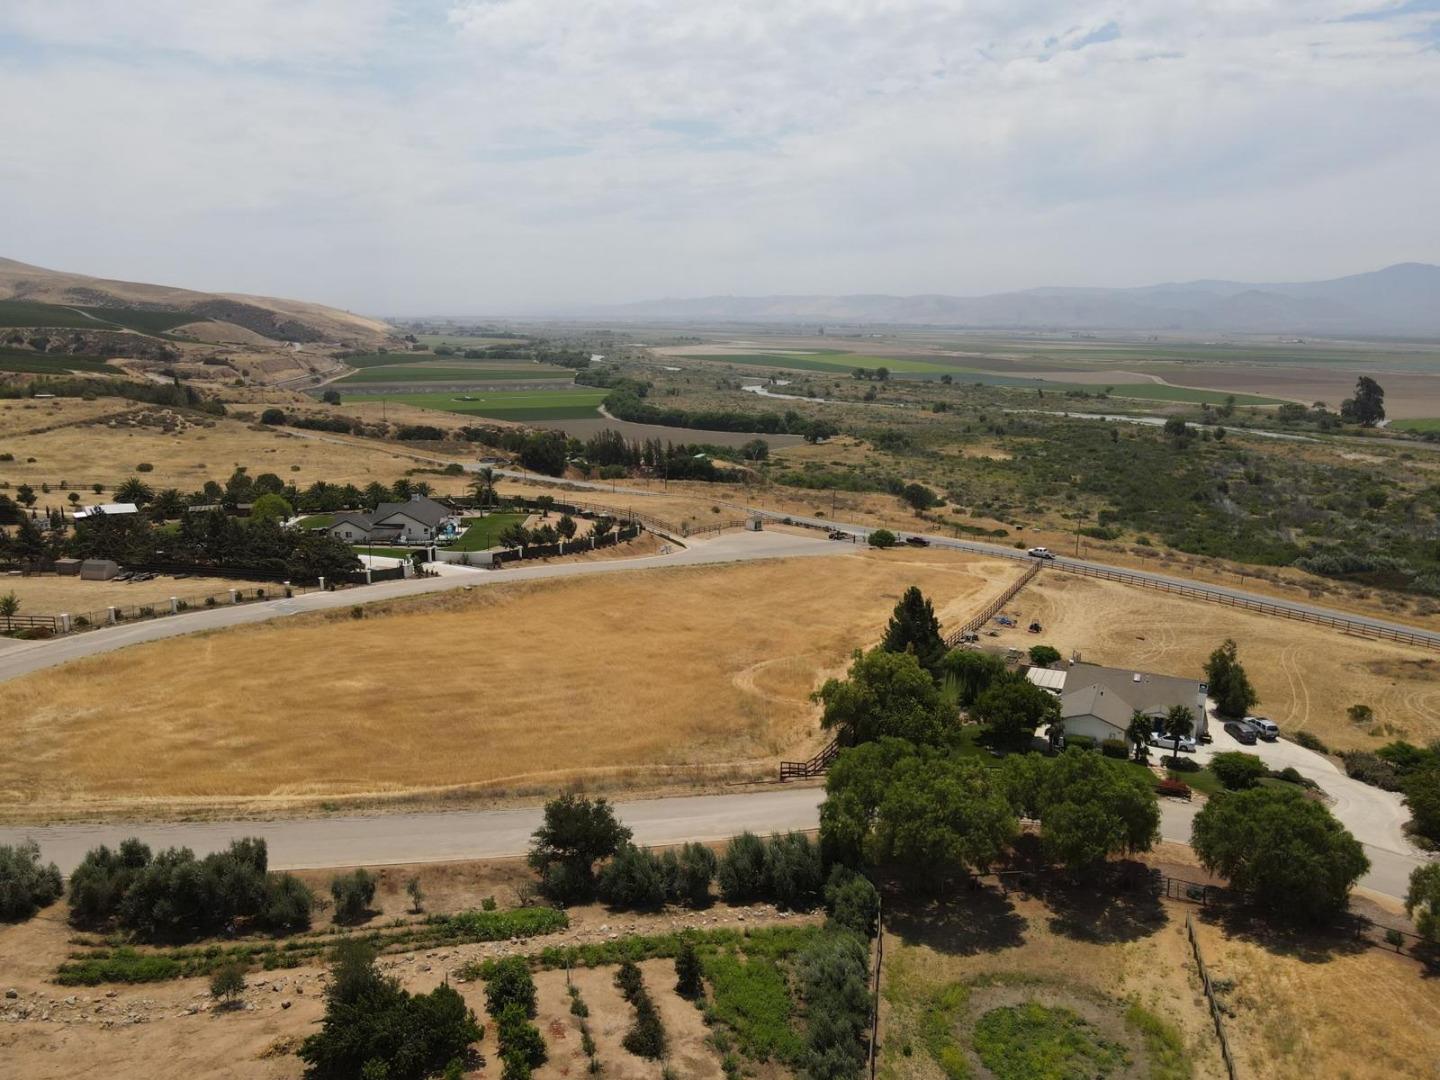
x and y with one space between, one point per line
228 983
288 903
646 1037
508 982
1310 742
1115 748
26 886
852 901
521 1045
145 466
741 870
882 538
794 874
576 834
273 416
1360 714
352 894
687 970
1080 742
1172 787
688 874
1044 655
628 980
633 878
1238 771
373 1028
1371 769
1181 764
834 981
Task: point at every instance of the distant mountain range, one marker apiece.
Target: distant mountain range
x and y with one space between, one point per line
1401 300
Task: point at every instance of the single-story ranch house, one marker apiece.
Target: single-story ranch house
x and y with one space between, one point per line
1099 701
414 522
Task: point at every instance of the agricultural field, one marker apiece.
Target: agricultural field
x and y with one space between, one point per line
516 405
1307 676
179 1033
453 371
21 313
526 687
26 361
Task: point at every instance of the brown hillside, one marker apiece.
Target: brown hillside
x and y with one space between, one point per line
267 316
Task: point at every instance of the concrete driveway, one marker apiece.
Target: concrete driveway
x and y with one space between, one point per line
1376 818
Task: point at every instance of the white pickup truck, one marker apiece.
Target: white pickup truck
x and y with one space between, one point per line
1040 553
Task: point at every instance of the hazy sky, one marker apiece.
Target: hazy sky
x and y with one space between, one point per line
486 156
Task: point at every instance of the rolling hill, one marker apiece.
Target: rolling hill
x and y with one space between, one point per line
35 296
1401 300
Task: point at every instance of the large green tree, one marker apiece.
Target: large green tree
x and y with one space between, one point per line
1422 901
1228 683
1285 852
576 834
971 672
1012 708
1367 407
1091 807
886 693
1422 799
914 628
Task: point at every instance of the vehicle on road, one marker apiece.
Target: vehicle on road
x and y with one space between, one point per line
836 534
1241 733
1040 553
917 541
1161 741
1264 727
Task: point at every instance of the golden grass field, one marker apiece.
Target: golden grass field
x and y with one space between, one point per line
615 678
50 594
81 448
1348 1015
1306 676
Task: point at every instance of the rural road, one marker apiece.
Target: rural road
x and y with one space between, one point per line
314 843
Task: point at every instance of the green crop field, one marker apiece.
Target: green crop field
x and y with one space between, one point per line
456 372
1421 425
1157 392
20 313
485 532
828 360
22 360
503 404
479 342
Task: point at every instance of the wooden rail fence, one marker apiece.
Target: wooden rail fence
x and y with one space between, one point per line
1215 1013
816 766
994 607
1285 611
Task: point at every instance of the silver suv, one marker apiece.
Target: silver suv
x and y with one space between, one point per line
1264 727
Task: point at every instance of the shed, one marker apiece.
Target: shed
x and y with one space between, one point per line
67 567
98 569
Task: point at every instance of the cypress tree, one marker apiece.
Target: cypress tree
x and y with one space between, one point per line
913 627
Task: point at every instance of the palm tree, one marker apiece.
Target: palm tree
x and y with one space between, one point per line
484 486
134 491
1179 722
1138 733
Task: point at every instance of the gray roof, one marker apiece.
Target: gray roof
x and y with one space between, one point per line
1114 694
361 521
424 510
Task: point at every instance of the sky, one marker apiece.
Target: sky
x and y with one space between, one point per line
514 156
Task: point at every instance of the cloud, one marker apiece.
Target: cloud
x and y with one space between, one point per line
483 155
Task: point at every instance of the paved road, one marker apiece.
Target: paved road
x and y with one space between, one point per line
22 657
312 843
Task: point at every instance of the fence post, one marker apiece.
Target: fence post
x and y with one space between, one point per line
322 583
64 621
234 596
110 616
174 605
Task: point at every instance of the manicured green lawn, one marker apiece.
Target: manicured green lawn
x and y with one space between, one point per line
485 532
316 521
565 404
384 552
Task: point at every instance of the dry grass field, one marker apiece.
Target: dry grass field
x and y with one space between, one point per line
683 672
50 594
1345 1015
1307 676
989 950
81 443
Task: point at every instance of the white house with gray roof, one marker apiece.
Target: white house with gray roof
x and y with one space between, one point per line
1099 701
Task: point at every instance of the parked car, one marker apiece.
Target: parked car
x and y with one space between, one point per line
836 534
1266 728
1040 553
917 541
1161 741
1241 733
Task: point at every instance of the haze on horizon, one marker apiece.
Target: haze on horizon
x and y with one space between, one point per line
469 156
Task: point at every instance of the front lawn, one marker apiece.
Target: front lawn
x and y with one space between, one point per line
485 532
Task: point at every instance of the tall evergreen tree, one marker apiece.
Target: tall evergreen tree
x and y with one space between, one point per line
913 627
1228 683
